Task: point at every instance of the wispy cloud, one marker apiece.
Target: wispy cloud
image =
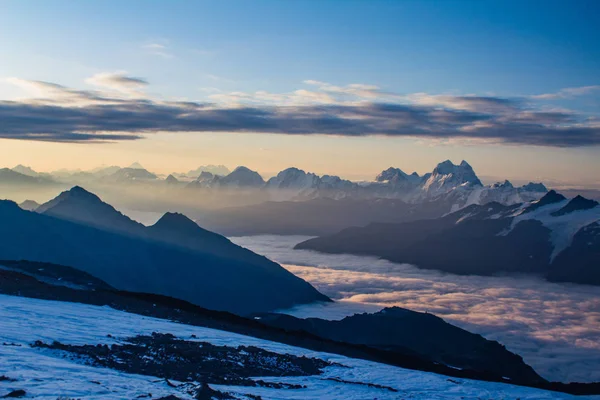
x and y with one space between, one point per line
567 93
122 109
118 81
158 49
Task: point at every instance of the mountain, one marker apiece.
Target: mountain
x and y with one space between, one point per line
553 237
79 205
124 175
136 165
171 180
447 177
22 169
296 184
396 175
408 332
29 205
213 169
241 177
173 257
456 185
11 177
104 171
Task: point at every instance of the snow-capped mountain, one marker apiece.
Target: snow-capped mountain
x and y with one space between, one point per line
396 175
294 183
447 177
555 237
456 184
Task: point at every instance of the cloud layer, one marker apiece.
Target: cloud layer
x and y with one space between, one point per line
121 110
555 327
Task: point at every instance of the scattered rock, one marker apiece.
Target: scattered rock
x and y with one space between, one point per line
15 394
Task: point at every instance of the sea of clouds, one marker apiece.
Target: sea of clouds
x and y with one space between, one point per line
554 327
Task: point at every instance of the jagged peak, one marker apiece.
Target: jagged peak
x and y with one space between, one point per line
505 184
534 187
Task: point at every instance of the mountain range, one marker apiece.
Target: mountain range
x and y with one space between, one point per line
173 257
457 184
555 237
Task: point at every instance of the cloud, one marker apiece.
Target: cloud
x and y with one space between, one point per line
121 109
567 93
158 49
117 81
555 327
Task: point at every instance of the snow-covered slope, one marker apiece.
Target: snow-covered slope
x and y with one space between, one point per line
562 219
48 374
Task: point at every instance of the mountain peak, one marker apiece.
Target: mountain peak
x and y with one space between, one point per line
76 193
534 187
447 174
243 176
506 185
136 165
171 179
549 198
173 221
25 170
578 203
79 205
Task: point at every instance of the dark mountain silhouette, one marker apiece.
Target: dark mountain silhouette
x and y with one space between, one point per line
221 277
578 203
549 198
487 239
79 205
403 331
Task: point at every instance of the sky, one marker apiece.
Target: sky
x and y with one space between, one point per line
338 87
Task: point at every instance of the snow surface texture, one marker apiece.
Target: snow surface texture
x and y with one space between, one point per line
563 227
555 327
46 375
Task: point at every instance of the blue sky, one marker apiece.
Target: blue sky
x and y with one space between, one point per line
195 50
